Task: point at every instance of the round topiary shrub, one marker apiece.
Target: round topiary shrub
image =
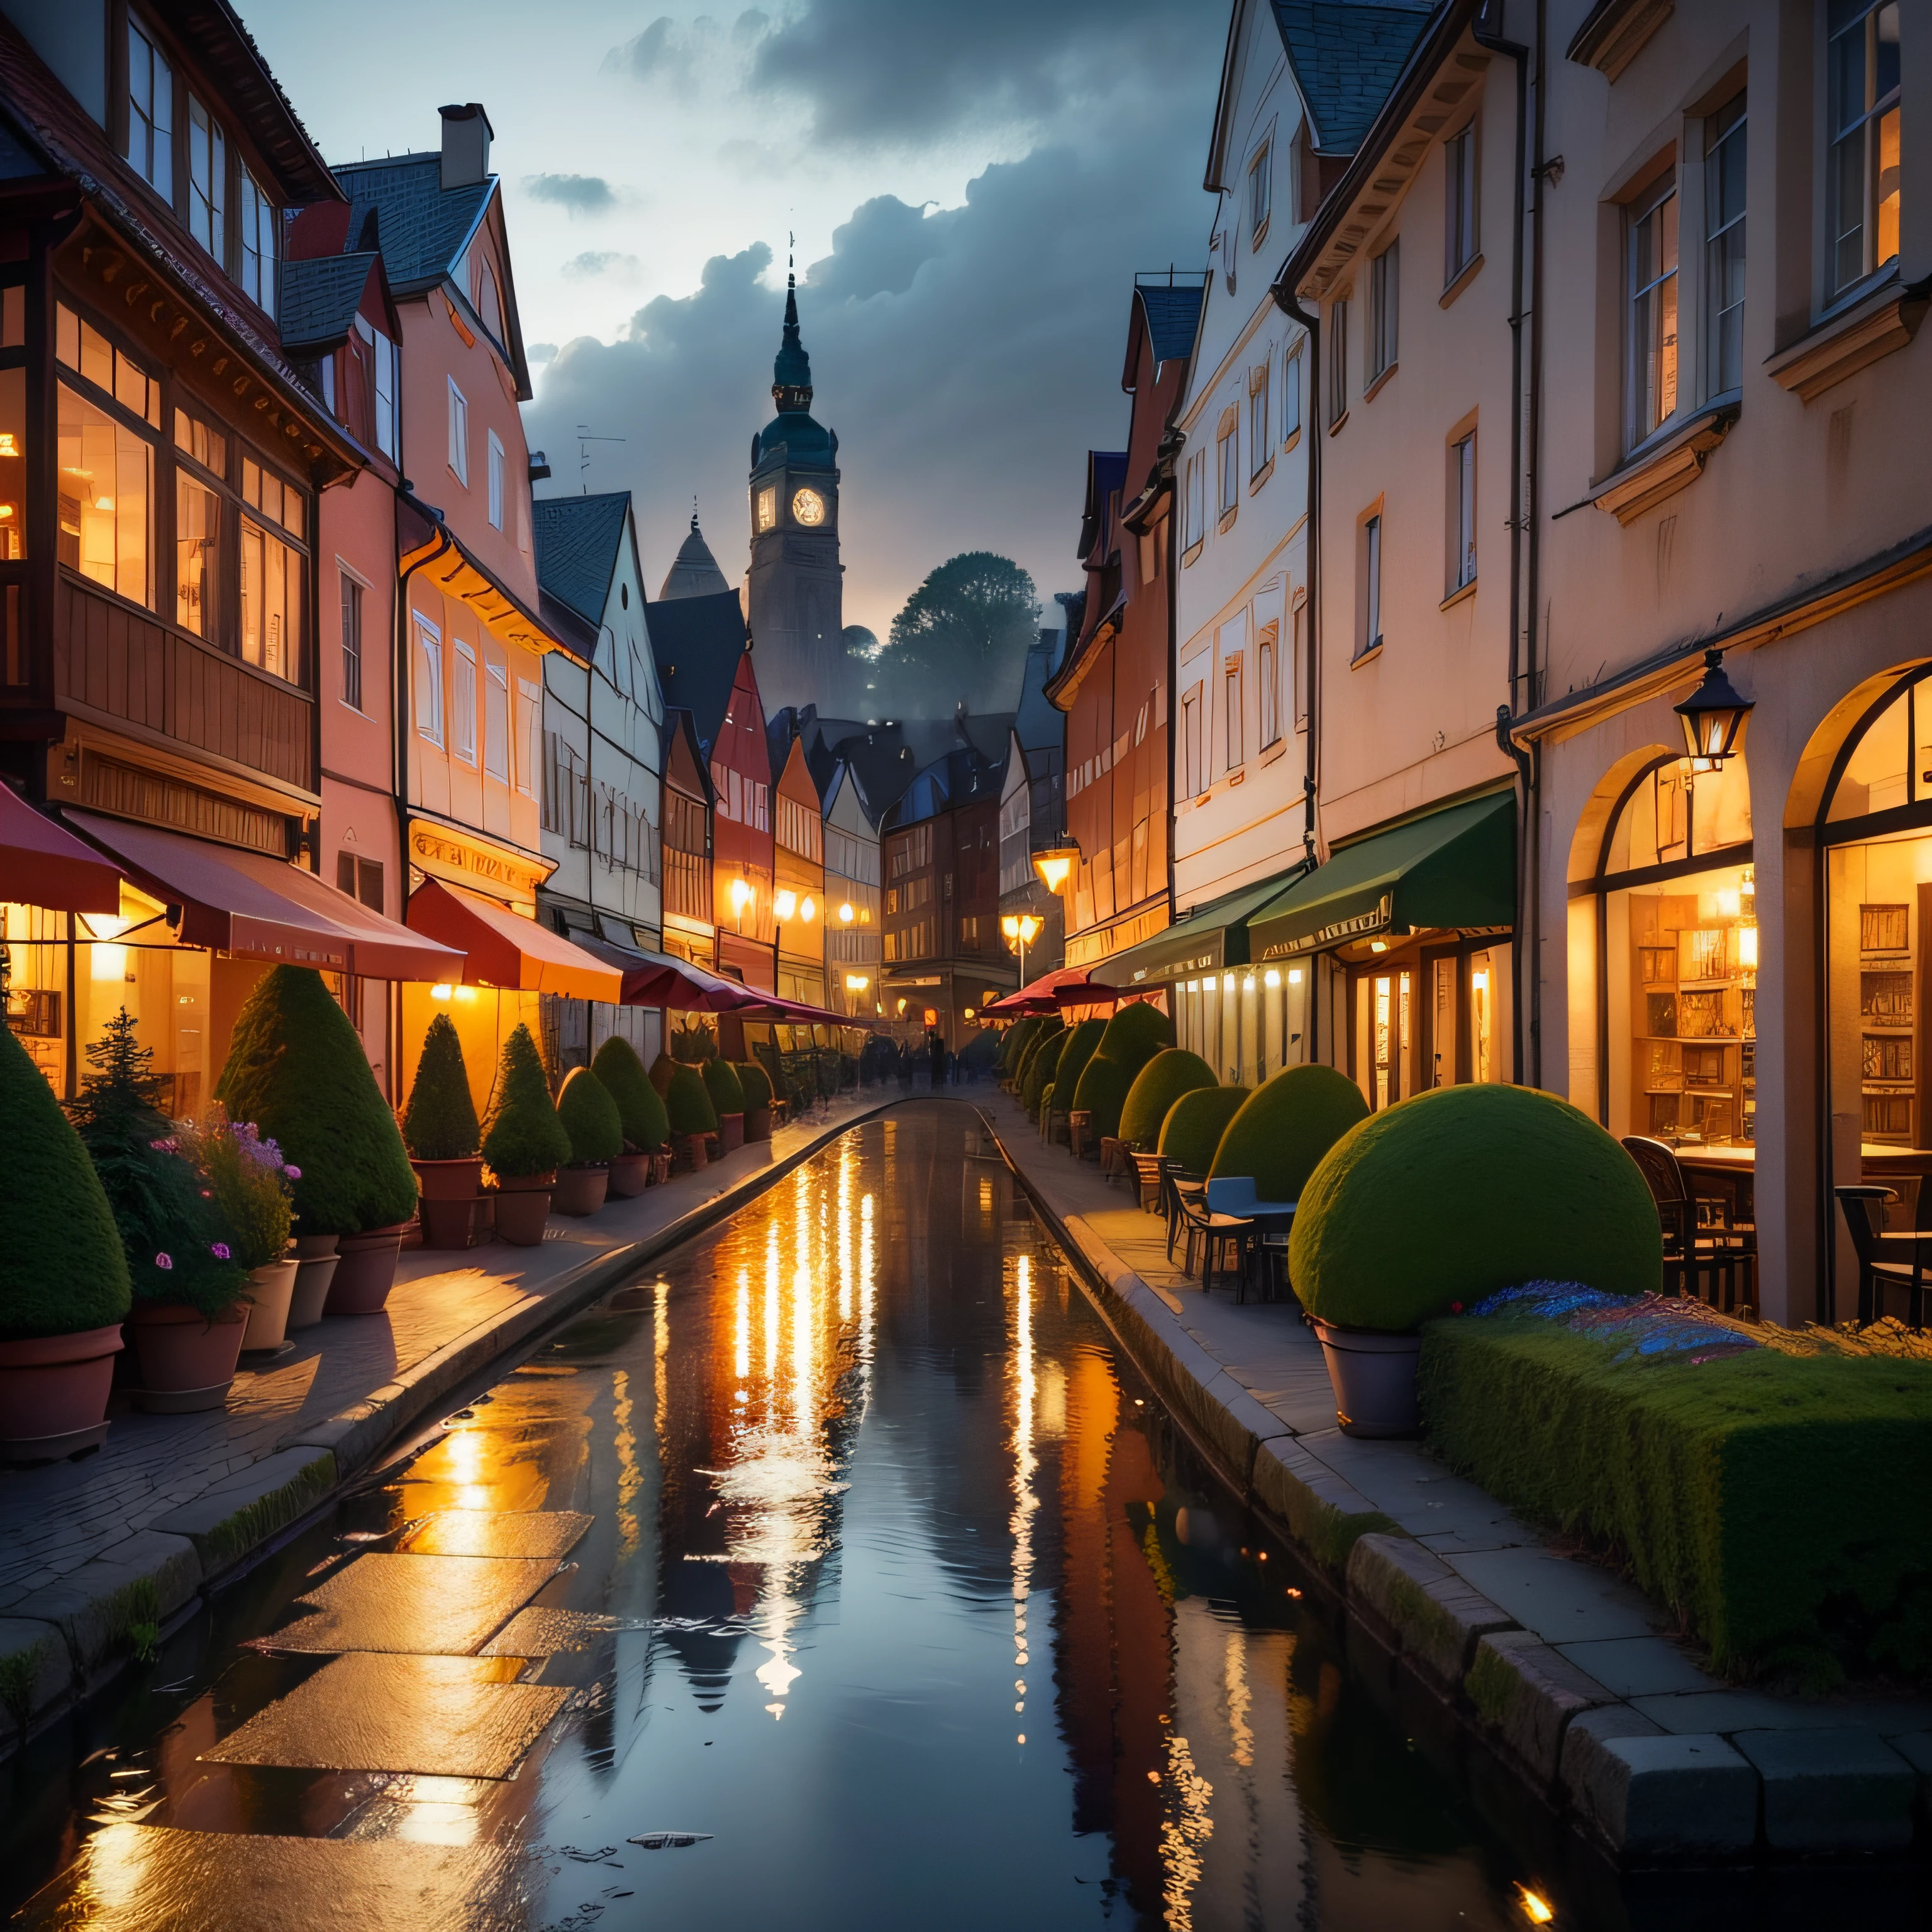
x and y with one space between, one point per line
523 1136
439 1123
1432 1204
641 1107
726 1089
1289 1122
590 1118
1194 1124
757 1083
62 1268
1081 1044
663 1070
1043 1072
296 1069
1019 1037
1052 1029
1172 1073
1135 1035
688 1103
1102 1092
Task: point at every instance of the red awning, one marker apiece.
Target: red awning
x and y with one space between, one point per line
42 864
796 1012
507 950
663 980
257 908
1067 986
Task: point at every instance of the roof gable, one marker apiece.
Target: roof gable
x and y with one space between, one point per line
320 297
578 541
422 228
699 644
1346 54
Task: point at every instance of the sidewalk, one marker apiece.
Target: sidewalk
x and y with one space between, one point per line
131 1535
1572 1674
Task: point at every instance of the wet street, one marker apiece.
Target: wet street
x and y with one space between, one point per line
840 1574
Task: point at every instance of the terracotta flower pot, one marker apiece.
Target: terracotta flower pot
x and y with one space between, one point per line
187 1359
523 1207
315 1270
270 1291
758 1124
449 1180
447 1222
730 1132
365 1271
692 1157
1373 1376
630 1174
580 1190
53 1393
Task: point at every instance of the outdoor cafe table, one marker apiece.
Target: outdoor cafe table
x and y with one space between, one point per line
1736 1168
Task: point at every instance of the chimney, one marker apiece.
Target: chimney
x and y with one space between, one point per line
465 145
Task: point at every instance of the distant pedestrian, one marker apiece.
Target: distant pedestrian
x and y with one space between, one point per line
936 1051
951 1068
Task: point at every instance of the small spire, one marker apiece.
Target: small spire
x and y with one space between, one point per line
791 372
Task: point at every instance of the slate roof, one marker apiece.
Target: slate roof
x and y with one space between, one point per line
697 642
1346 54
1171 316
1040 725
577 539
695 572
1106 472
320 298
420 228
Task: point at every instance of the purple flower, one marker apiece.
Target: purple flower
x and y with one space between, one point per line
220 1251
293 1173
162 1147
164 1261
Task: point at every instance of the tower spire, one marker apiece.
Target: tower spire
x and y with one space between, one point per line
791 371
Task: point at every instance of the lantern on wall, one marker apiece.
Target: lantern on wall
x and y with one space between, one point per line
1714 716
1055 863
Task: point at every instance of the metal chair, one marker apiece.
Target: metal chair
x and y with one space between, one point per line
1693 1247
1883 1259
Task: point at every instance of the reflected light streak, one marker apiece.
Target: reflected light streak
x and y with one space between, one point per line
845 1234
1240 1699
803 1333
630 1479
865 1301
1026 1504
741 1356
771 1307
1184 1833
463 1452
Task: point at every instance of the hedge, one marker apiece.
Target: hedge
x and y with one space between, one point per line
1081 1045
523 1136
590 1118
1169 1074
1019 1037
1769 1497
1194 1124
439 1123
1289 1124
662 1069
726 1089
1050 1029
1043 1071
641 1107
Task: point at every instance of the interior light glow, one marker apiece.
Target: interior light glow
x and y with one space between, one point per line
1271 979
845 913
785 905
1378 946
1479 982
1537 1909
1294 976
1748 948
441 992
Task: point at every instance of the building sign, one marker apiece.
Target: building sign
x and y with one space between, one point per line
465 859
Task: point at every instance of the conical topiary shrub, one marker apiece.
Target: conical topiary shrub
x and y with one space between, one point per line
1043 1071
63 1271
524 1137
1082 1043
1019 1037
590 1117
297 1070
440 1123
726 1089
1191 1134
1135 1034
1289 1124
641 1107
757 1084
664 1069
1050 1029
688 1103
1104 1086
1172 1073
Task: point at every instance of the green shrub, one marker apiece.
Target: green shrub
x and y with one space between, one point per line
1043 1070
641 1107
694 1042
1049 1029
757 1083
1079 1048
250 1182
1172 1073
1289 1124
664 1069
62 1267
1135 1035
1102 1092
179 1244
439 1123
1019 1037
590 1118
1758 1493
726 1089
1444 1198
523 1135
1046 1094
689 1104
1191 1134
297 1070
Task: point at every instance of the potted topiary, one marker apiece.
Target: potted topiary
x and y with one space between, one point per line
188 1315
692 1115
1288 1124
1051 1028
1192 1131
590 1118
728 1098
1081 1045
641 1112
64 1285
296 1069
252 1184
524 1142
757 1087
1042 1070
1135 1034
1172 1073
1423 1209
445 1142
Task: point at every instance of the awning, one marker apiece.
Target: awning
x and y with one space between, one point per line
257 908
796 1012
1452 868
660 979
507 950
1065 986
1210 937
42 864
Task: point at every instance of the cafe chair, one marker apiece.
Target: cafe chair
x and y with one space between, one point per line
1700 1238
1227 1224
1148 1170
1886 1260
1171 1204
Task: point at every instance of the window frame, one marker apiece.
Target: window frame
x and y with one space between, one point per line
1292 365
459 433
1383 343
144 425
1228 467
1194 532
496 480
352 592
208 206
1462 554
1462 214
1193 753
1868 129
1297 658
1260 419
1369 632
427 657
1338 359
1661 193
1728 238
526 724
496 764
1261 192
156 167
258 223
1267 683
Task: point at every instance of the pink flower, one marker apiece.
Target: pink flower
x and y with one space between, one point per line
293 1173
164 1261
220 1251
1455 1308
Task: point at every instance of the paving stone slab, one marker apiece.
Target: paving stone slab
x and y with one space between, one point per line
1563 1601
1526 1692
438 1606
1831 1790
549 1633
1324 1515
1432 1615
1639 1666
1729 1711
1650 1795
551 1533
143 1579
244 1508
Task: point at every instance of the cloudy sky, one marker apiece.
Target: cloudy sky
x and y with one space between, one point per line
972 189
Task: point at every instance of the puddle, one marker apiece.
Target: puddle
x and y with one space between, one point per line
445 1606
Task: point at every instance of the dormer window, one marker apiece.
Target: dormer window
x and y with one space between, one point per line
151 112
207 180
1259 181
258 250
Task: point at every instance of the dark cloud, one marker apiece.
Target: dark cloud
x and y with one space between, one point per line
880 250
580 194
669 51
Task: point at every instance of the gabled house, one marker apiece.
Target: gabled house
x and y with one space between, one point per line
798 843
690 925
1033 809
852 898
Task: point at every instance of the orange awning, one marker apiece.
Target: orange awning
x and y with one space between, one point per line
42 864
506 950
257 908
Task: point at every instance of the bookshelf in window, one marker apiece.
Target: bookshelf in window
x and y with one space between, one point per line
1693 1013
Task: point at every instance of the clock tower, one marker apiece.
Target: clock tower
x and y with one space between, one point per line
794 598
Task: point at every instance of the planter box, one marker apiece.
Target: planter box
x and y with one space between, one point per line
630 1174
365 1270
692 1157
730 1132
523 1207
315 1270
53 1393
758 1124
270 1291
449 1223
449 1180
579 1190
187 1359
1373 1376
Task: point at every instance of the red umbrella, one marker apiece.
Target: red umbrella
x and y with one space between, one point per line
795 1012
1065 986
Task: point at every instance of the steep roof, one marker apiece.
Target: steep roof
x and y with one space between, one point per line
577 539
1172 313
320 298
421 227
1346 54
694 572
1038 725
1106 474
697 642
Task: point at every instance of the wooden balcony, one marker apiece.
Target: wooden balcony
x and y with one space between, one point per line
687 884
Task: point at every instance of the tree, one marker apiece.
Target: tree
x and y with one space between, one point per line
963 635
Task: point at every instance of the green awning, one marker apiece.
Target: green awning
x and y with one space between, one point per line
1452 867
1211 936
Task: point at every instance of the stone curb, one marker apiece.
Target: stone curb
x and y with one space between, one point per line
1651 1795
1831 1790
1426 1612
1526 1692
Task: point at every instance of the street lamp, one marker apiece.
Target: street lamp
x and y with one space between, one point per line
855 984
741 897
1019 931
1714 716
1055 863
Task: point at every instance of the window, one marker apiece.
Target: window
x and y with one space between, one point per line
488 305
1268 681
495 713
1260 178
496 480
13 506
1149 546
429 681
360 878
1195 528
463 703
1384 298
1861 203
768 507
459 433
106 488
197 556
530 714
1192 769
272 573
151 112
207 180
1260 419
1338 362
1297 665
1233 737
1724 248
351 642
1652 273
1291 396
382 354
1230 462
1459 213
1462 498
1371 634
258 250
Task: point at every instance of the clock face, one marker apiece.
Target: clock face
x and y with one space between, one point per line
807 507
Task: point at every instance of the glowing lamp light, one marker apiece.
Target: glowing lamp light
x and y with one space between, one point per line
785 905
441 992
969 1013
741 896
1729 905
1748 948
1378 946
845 913
1714 715
1055 863
808 908
857 983
466 996
1271 979
1294 976
1537 1909
1248 984
10 444
1479 982
1228 983
901 1008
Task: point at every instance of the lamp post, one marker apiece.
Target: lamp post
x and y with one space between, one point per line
1055 863
1019 931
